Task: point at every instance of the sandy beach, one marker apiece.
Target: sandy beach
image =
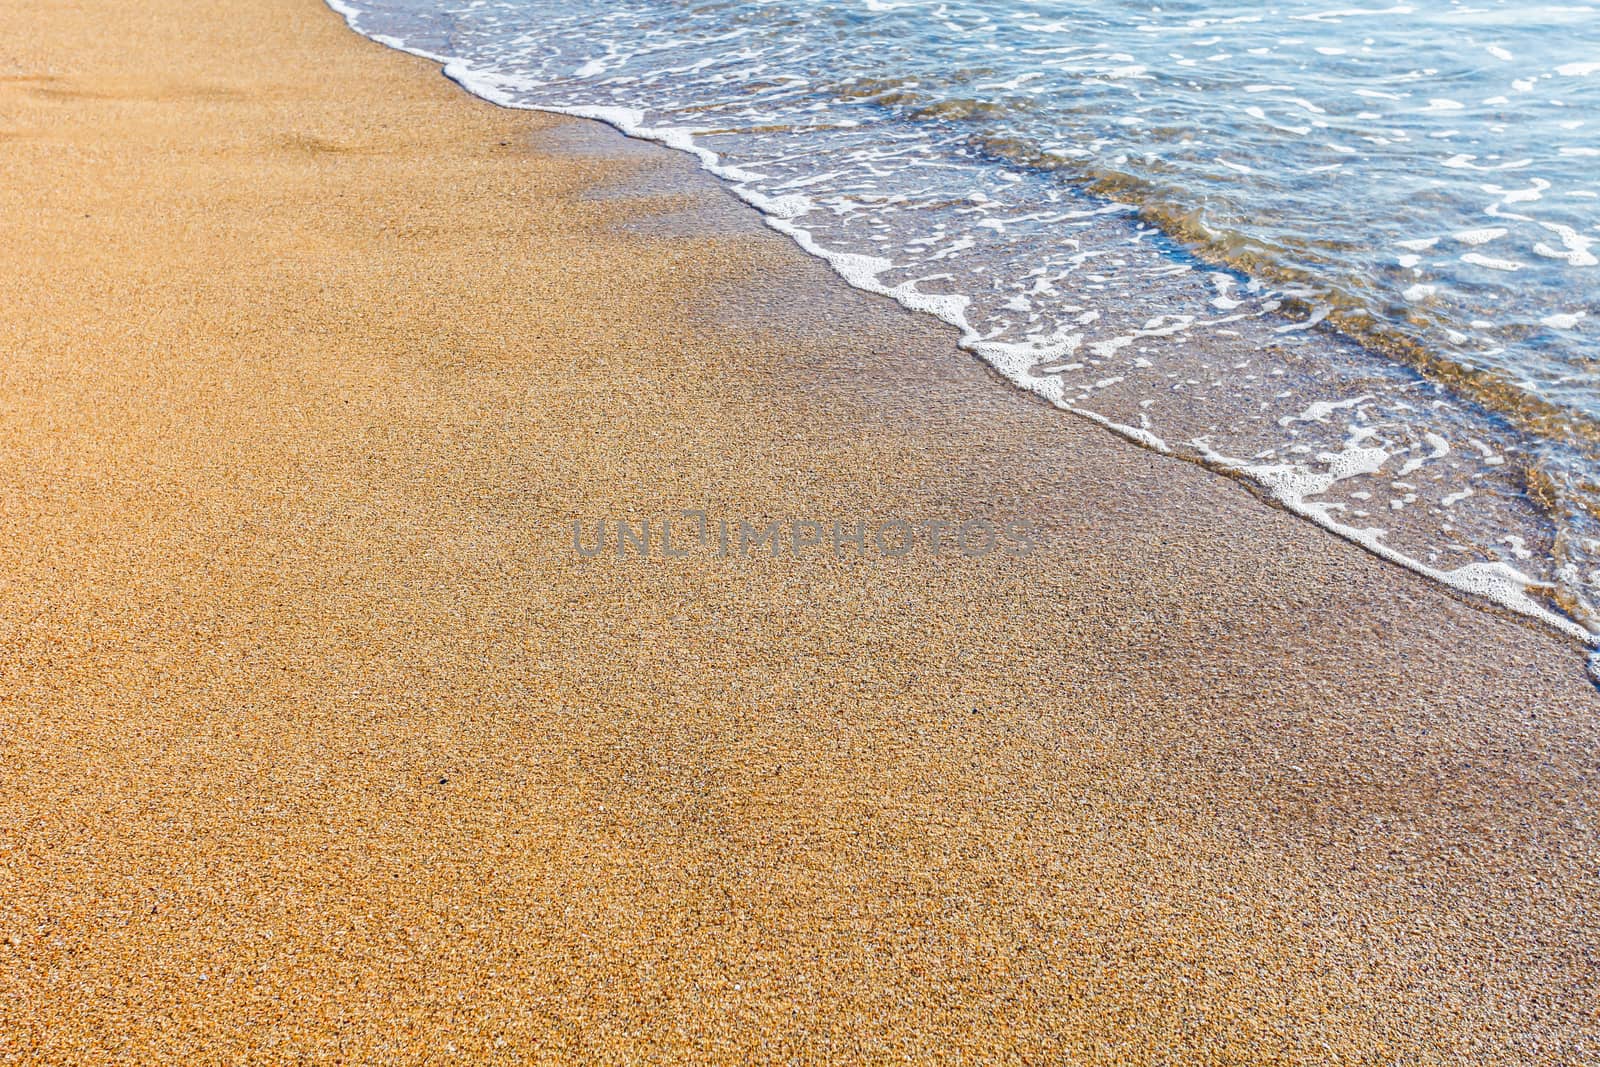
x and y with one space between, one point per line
319 742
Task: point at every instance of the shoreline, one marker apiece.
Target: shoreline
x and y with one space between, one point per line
1495 582
323 741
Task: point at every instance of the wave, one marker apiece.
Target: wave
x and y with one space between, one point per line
1294 303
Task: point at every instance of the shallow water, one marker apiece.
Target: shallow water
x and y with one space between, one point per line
1348 254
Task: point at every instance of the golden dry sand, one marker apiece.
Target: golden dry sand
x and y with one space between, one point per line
319 744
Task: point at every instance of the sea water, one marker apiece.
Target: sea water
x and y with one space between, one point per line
1346 252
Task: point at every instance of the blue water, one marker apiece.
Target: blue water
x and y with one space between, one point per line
1348 251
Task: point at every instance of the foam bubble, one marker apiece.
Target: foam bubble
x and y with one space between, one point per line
1491 263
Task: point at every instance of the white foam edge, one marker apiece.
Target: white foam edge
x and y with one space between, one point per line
1136 434
1499 583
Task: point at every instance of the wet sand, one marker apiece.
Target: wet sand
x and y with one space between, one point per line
318 740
